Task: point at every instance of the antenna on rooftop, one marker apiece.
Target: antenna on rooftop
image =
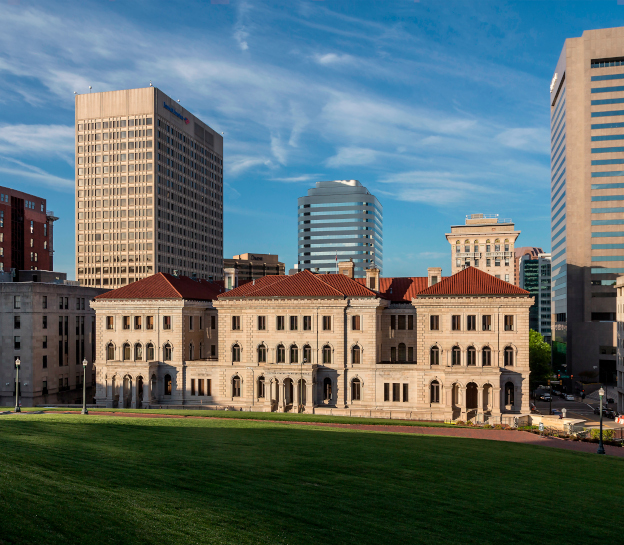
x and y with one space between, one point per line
178 101
151 83
90 88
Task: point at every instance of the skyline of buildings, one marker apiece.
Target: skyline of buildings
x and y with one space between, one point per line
535 278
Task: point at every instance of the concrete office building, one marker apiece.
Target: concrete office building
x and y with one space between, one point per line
535 278
244 268
50 327
485 242
149 189
587 120
531 252
340 221
26 232
620 345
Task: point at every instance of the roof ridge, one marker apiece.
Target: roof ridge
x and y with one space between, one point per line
328 284
169 282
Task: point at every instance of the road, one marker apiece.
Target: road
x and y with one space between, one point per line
582 409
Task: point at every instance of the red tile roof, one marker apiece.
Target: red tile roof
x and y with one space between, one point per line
166 286
302 284
472 281
400 289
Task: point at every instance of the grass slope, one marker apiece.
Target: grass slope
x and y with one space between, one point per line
79 479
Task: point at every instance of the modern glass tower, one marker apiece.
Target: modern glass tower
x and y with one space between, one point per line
340 221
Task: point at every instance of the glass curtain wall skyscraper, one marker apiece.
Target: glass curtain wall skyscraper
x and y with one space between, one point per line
340 221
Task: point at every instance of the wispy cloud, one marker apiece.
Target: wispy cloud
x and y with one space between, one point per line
352 156
19 169
298 179
38 140
333 59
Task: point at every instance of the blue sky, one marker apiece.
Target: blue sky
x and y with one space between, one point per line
440 108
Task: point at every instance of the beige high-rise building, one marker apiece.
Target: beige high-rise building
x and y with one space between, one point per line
587 191
485 242
149 189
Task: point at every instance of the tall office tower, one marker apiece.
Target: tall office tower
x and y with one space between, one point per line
25 232
534 273
340 221
485 242
587 227
529 251
149 189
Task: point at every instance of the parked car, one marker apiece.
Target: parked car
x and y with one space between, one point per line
569 397
545 397
609 413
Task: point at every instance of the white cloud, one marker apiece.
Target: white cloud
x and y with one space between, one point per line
527 139
296 179
237 164
352 156
333 59
38 141
36 174
278 149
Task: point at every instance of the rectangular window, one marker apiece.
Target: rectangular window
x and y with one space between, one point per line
307 323
149 322
192 386
280 323
190 323
17 342
213 350
410 322
355 323
213 322
45 362
17 301
200 387
486 321
17 322
261 323
401 321
166 322
45 301
396 391
386 391
66 303
410 353
471 323
208 387
45 341
456 322
60 303
434 323
126 322
235 323
109 322
293 323
393 322
137 322
393 354
405 392
327 323
509 323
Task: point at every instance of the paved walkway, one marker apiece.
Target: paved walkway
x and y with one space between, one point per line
471 433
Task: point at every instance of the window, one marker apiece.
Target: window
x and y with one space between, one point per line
17 322
166 322
45 362
434 356
126 352
410 322
167 385
410 353
471 356
456 322
393 353
280 323
393 322
191 324
235 323
506 276
396 391
486 321
355 389
213 350
401 321
355 354
261 323
355 323
509 323
126 322
294 354
138 352
137 322
150 352
149 322
327 354
327 389
236 386
471 323
486 356
456 356
281 354
509 393
509 356
213 322
434 323
307 323
45 301
261 387
236 353
402 352
109 322
386 391
167 350
17 343
434 392
405 392
307 354
262 354
192 386
17 301
327 323
293 323
110 351
66 303
45 341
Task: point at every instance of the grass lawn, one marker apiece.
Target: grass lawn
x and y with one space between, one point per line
84 479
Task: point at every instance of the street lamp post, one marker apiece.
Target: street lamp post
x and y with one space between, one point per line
601 449
84 387
17 388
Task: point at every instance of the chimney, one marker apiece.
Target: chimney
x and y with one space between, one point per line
372 278
434 275
347 268
230 278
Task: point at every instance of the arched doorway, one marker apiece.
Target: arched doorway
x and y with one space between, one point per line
139 386
127 392
327 390
472 400
288 392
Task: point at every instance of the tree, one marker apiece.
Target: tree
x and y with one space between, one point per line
539 358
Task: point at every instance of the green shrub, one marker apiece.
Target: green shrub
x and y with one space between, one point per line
607 435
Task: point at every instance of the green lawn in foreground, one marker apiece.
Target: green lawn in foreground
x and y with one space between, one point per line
94 479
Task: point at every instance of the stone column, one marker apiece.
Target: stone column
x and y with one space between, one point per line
268 386
308 400
496 401
446 401
146 394
462 402
480 417
134 394
279 390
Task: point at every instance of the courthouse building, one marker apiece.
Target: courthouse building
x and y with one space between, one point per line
430 347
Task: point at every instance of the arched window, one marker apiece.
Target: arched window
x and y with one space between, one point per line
261 387
307 354
434 392
281 354
191 351
110 351
150 352
402 352
509 393
167 350
138 352
236 353
486 356
262 354
167 385
294 354
327 353
355 354
509 356
126 352
456 356
236 386
355 389
327 389
471 356
434 356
